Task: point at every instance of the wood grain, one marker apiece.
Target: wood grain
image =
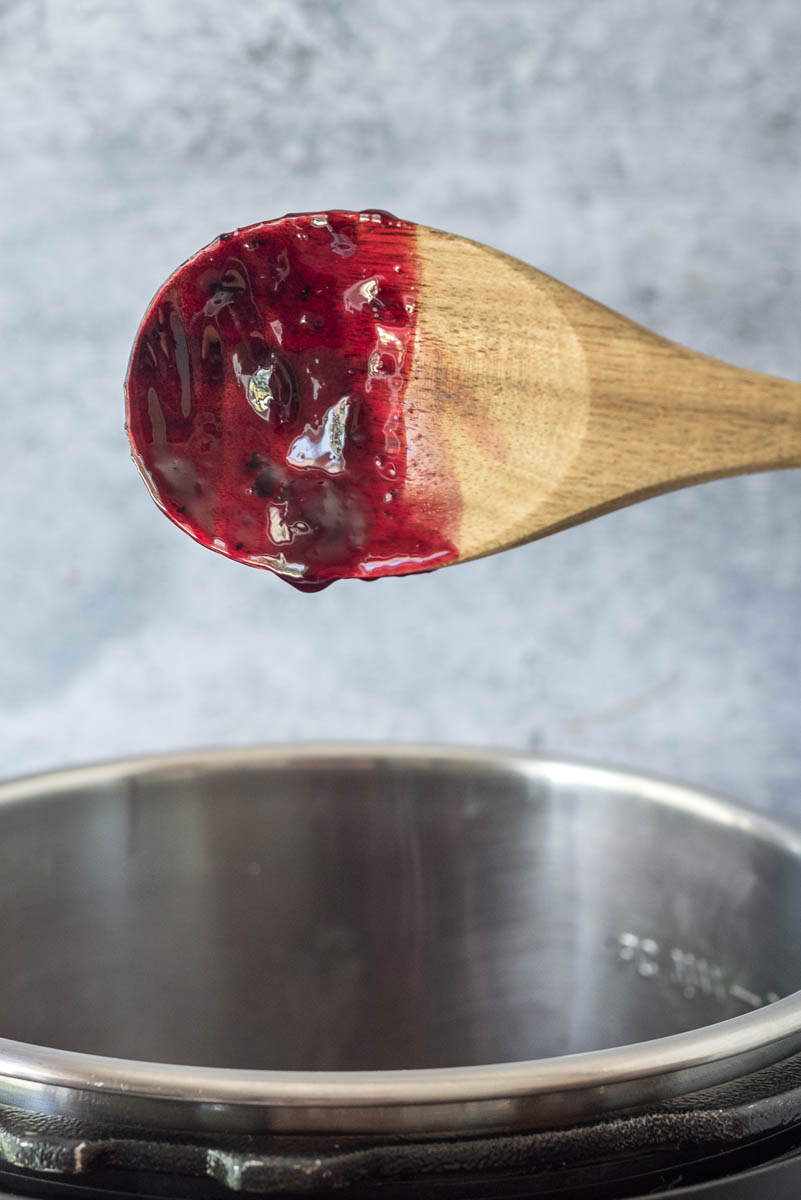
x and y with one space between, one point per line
531 407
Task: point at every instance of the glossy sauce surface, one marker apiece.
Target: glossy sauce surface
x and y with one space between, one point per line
265 399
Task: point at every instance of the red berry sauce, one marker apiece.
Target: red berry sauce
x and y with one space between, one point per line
265 399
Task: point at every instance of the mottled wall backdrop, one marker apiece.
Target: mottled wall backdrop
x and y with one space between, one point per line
649 154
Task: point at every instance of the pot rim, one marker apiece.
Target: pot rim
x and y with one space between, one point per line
515 1094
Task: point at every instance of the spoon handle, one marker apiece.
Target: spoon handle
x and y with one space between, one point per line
700 418
662 417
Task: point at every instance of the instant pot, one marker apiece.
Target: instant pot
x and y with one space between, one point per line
394 973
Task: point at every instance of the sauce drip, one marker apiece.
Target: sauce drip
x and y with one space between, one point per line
265 398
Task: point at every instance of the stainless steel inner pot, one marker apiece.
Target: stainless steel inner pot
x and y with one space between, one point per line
361 938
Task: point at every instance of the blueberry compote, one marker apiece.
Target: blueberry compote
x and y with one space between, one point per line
265 398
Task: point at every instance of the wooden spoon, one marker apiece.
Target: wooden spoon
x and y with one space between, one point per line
348 395
553 409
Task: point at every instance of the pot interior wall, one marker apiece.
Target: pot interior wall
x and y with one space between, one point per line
359 913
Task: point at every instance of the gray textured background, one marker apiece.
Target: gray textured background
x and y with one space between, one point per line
649 154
